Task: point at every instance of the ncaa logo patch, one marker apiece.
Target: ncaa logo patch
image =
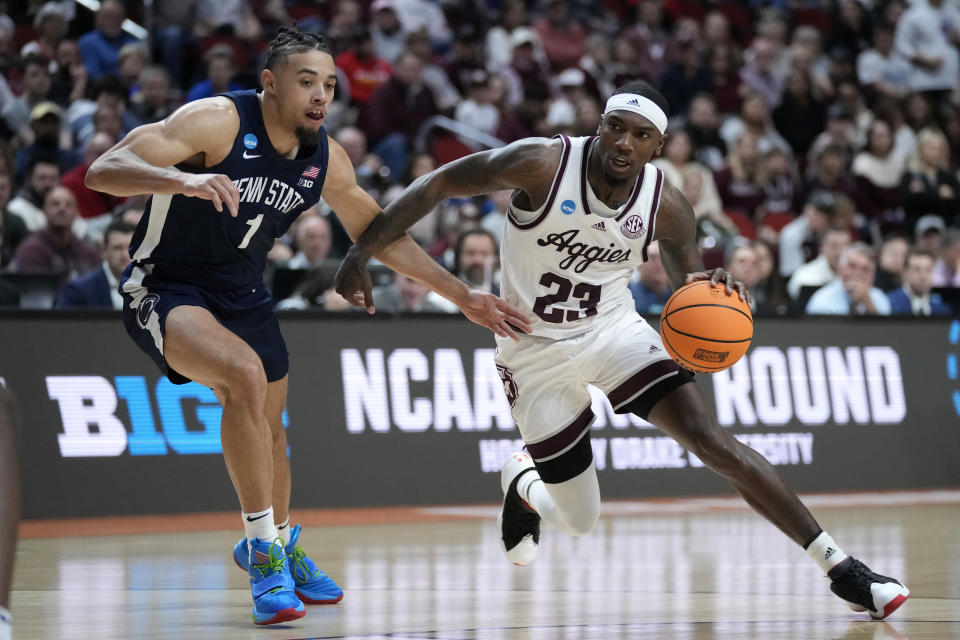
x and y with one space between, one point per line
146 307
250 141
632 227
568 207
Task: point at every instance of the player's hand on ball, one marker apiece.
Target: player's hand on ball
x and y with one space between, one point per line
353 281
215 187
491 312
721 275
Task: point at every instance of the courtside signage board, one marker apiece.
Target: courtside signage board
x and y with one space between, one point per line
412 410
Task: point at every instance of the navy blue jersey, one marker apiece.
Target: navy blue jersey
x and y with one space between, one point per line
186 239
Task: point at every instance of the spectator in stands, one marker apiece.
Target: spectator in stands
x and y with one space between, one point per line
51 26
685 75
389 38
850 27
849 95
219 61
927 186
42 175
799 238
703 127
477 110
47 134
424 15
407 295
232 18
878 173
364 70
465 58
802 115
829 173
109 95
701 192
153 102
426 230
930 232
526 76
755 118
881 70
740 259
372 175
740 183
476 260
434 76
69 82
652 289
760 76
916 296
852 293
314 239
55 248
716 30
131 60
397 109
780 184
726 85
97 288
925 37
496 216
12 229
904 138
596 64
946 272
769 294
36 89
890 263
918 112
824 267
346 18
648 39
173 24
99 48
839 132
90 203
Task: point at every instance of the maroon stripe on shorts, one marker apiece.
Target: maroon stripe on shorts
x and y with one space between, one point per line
643 378
563 439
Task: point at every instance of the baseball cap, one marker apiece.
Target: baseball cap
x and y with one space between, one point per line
47 9
382 4
571 77
823 201
44 109
522 35
930 222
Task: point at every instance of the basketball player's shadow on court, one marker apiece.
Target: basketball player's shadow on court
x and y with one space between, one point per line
872 630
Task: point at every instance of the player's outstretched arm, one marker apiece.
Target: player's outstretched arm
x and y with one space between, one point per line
200 133
676 231
356 209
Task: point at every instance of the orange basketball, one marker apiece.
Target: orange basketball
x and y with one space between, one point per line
704 329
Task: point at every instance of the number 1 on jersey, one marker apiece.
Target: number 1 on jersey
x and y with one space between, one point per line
254 225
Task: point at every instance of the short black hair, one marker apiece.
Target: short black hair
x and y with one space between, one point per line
290 40
641 88
117 226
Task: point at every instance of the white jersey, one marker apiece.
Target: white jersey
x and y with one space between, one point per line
566 265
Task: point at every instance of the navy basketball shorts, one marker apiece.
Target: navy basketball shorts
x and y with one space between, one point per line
247 312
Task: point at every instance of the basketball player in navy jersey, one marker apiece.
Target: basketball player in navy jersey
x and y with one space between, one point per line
227 176
583 214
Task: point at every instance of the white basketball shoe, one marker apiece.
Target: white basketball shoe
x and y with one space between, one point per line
518 523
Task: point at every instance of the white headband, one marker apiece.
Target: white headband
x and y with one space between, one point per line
639 105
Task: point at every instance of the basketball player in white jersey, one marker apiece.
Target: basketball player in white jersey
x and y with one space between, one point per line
582 217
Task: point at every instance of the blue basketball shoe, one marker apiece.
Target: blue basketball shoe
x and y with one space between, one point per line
274 599
312 585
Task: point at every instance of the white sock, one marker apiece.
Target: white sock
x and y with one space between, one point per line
259 524
825 552
283 531
6 624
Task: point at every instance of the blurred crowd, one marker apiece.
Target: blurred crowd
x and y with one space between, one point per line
817 140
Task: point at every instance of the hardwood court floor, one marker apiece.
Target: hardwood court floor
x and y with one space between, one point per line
673 570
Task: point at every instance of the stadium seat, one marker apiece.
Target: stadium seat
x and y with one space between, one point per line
745 226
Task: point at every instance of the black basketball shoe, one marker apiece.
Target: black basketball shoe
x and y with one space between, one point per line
864 590
519 525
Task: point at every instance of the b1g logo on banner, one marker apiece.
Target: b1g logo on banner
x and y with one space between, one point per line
189 417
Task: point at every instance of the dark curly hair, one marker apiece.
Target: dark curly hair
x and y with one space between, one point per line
290 40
